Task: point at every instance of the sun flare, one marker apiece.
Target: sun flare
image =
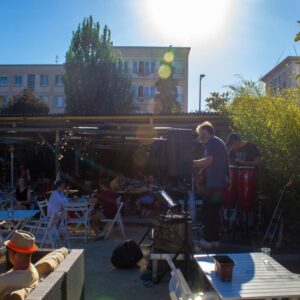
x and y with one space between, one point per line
184 20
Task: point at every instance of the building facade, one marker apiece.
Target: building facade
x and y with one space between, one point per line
283 76
142 62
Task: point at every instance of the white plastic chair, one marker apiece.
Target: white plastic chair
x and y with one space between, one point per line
178 287
46 231
116 220
43 206
78 214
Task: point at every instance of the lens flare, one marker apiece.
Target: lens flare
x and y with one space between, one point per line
169 57
164 71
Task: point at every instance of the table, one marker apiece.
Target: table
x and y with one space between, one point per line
255 276
17 219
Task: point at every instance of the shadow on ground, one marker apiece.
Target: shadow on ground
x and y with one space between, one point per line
104 282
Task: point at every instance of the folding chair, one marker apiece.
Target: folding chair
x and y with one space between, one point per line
47 231
78 214
116 220
178 287
43 206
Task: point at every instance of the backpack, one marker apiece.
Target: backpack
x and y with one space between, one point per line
126 255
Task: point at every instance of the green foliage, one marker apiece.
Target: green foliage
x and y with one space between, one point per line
95 79
297 37
217 102
246 87
25 103
165 100
273 123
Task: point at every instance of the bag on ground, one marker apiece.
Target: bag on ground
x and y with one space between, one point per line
126 255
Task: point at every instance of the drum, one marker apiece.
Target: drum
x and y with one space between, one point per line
231 193
246 188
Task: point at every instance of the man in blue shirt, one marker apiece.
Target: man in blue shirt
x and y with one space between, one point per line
57 199
215 165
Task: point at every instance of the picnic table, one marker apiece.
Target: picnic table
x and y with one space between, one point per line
255 276
16 219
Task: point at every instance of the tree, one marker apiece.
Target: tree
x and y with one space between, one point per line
246 87
297 37
26 103
273 123
217 102
165 100
95 79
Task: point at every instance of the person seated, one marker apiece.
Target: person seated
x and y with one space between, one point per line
22 195
23 274
57 199
117 184
146 203
25 174
105 206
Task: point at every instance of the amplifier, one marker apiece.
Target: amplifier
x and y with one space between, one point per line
168 233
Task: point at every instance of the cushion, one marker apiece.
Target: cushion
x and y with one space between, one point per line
51 261
20 294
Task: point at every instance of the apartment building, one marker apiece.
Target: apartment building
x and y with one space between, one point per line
283 76
44 80
142 62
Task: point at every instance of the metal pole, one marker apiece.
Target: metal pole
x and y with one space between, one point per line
11 167
200 80
57 164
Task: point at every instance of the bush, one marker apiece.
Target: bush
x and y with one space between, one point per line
272 122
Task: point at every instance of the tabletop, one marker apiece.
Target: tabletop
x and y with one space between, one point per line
255 276
17 214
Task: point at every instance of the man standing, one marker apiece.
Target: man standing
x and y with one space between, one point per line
241 152
23 274
216 167
57 199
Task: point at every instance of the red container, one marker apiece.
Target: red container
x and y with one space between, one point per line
231 193
246 188
224 267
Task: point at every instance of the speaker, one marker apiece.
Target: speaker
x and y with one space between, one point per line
180 153
157 162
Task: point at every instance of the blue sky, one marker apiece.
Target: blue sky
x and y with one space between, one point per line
227 37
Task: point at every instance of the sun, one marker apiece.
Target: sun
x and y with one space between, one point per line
186 20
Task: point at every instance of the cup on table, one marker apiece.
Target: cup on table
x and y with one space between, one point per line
267 252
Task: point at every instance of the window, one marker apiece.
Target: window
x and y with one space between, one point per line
141 67
44 80
17 80
147 67
58 80
3 100
135 67
31 81
3 80
140 91
152 91
178 66
146 91
152 67
59 101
